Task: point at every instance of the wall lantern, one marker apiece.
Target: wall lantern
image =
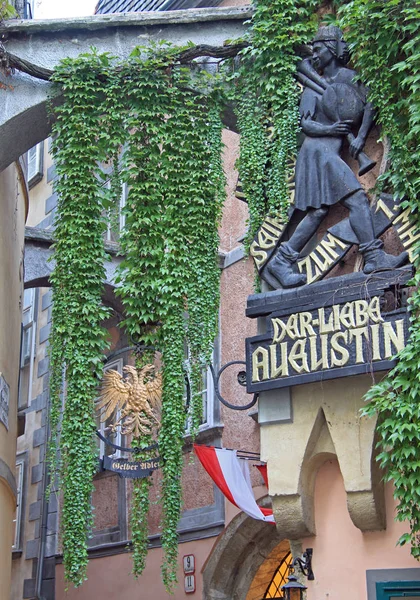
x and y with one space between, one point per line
293 590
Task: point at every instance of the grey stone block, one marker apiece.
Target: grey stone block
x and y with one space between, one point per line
48 589
46 382
40 493
42 453
53 504
28 588
39 402
32 549
50 203
46 300
37 529
44 333
51 173
50 545
48 571
47 222
52 523
275 406
39 437
36 473
43 366
34 510
34 567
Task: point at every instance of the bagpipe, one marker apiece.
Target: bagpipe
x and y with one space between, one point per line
340 102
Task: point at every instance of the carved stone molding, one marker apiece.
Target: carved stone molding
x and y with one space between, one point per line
326 425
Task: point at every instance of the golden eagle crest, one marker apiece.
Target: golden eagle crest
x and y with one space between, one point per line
137 397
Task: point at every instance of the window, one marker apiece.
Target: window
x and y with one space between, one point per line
392 590
28 327
279 578
115 438
115 217
20 470
207 394
35 164
29 9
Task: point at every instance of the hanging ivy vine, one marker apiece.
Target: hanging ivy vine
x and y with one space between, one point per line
143 119
385 40
267 100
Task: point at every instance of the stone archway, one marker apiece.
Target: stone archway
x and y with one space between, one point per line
24 119
236 566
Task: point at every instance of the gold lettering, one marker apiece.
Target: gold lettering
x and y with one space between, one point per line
265 239
323 361
374 310
272 227
323 326
336 347
361 313
305 319
404 219
347 315
260 361
293 326
380 205
407 230
376 350
306 265
277 224
279 329
358 334
283 368
331 242
322 265
336 312
408 238
260 256
396 338
298 352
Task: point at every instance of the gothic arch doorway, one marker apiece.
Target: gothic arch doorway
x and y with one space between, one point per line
244 560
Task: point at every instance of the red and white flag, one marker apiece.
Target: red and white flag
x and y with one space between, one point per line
231 475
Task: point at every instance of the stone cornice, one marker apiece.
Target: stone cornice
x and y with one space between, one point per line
96 22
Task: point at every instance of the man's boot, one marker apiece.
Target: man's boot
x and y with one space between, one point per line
376 259
283 267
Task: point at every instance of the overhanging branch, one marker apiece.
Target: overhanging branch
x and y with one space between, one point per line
11 61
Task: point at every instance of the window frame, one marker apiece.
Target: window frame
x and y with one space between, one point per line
121 215
21 460
28 328
38 160
212 413
389 577
385 590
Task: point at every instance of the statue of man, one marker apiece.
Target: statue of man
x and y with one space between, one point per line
330 108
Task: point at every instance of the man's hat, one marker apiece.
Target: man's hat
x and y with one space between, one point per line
331 33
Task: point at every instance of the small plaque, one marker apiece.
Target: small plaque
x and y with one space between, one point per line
189 564
4 402
189 584
129 468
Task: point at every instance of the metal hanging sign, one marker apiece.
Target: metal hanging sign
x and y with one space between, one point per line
133 469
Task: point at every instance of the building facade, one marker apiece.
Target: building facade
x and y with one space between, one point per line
324 484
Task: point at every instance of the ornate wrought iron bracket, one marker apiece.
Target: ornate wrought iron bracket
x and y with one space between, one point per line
305 564
122 448
241 377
